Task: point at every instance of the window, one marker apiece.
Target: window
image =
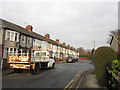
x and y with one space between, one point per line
7 35
29 40
15 50
34 42
11 50
39 43
8 50
17 37
12 36
22 38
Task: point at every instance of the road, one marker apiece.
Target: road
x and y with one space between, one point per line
60 77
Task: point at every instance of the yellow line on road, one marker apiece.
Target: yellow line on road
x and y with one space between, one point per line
79 82
69 83
73 80
76 79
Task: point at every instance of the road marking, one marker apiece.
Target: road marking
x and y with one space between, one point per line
68 84
79 82
76 78
72 82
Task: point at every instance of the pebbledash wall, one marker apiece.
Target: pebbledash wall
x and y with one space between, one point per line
16 39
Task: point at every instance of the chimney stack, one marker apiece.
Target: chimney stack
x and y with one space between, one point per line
47 36
29 28
64 43
57 40
68 46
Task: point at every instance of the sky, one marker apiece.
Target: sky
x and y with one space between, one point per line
77 22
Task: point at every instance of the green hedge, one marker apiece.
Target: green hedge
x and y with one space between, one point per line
103 56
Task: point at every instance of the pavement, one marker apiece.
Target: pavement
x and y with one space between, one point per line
90 81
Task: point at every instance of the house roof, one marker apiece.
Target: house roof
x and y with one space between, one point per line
8 25
111 40
112 37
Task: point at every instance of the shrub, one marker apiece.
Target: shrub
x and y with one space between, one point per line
114 69
103 56
118 56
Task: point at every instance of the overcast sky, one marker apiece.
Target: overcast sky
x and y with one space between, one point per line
76 22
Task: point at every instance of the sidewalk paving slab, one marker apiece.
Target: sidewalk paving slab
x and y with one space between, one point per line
90 81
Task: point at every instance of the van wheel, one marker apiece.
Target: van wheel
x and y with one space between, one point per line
36 70
53 66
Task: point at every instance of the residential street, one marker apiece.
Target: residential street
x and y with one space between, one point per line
65 75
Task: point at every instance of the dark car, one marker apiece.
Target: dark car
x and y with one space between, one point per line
71 59
75 58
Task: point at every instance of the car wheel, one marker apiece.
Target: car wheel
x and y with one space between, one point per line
36 70
53 66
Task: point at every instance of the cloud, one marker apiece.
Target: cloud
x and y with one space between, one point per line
74 22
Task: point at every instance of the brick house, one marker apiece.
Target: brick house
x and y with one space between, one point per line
16 39
115 42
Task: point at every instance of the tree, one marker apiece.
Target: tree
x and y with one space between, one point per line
81 50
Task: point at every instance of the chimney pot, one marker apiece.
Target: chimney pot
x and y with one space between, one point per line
57 40
64 43
68 46
47 35
29 28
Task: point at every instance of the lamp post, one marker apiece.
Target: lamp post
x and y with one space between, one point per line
93 51
94 44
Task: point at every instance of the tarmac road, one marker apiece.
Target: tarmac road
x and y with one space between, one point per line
63 76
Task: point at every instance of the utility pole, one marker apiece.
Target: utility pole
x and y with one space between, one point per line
93 50
94 44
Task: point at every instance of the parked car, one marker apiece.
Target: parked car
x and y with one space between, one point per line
76 59
71 59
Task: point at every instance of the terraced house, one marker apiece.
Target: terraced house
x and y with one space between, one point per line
16 39
115 42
